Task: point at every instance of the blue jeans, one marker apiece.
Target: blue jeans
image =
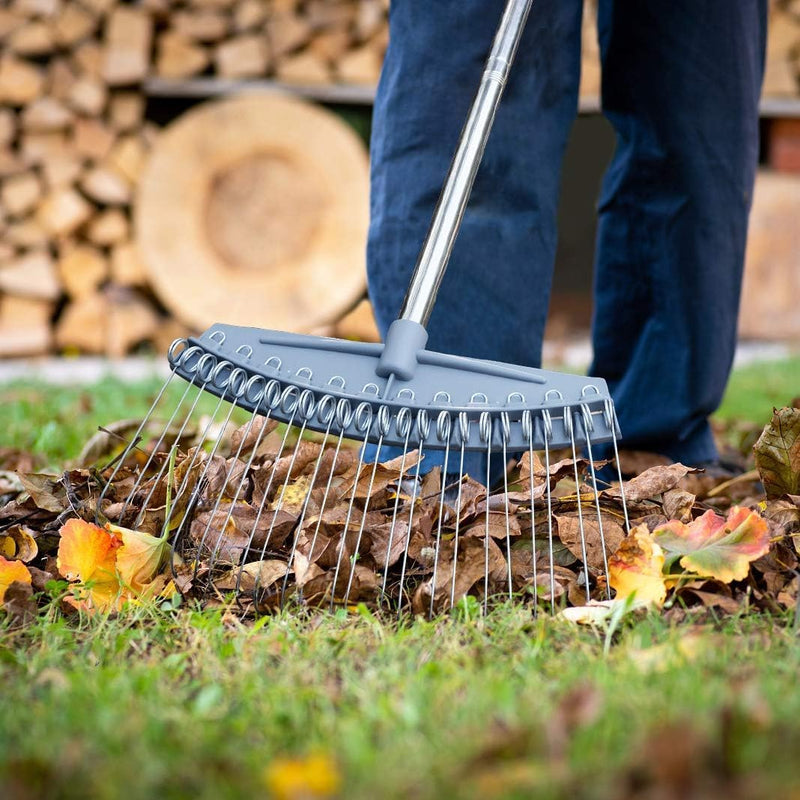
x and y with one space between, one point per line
681 82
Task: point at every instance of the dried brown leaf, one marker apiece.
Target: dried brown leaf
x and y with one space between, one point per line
595 532
777 453
651 483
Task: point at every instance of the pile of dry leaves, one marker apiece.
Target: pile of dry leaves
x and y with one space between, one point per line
310 523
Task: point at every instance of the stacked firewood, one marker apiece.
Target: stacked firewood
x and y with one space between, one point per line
74 134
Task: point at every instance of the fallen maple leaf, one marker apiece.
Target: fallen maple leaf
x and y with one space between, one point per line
139 558
12 572
777 453
87 555
636 568
716 547
313 777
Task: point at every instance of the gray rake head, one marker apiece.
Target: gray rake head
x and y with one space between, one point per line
330 386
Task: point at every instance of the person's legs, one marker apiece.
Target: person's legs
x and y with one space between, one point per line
681 82
494 296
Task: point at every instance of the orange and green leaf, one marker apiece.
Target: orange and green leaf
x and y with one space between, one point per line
12 572
714 546
140 557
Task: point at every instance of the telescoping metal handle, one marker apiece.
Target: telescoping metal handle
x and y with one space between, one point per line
407 336
438 245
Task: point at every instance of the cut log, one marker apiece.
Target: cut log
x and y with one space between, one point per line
304 69
88 96
784 145
769 308
128 156
24 326
10 20
126 110
60 79
63 211
221 5
360 66
260 200
329 14
126 266
108 228
11 163
330 46
82 269
45 114
100 7
242 57
178 57
31 275
127 46
38 8
20 81
36 148
73 24
21 193
168 331
106 186
201 26
370 18
91 139
33 39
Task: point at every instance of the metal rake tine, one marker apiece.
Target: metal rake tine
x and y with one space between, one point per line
587 428
529 422
610 415
354 557
547 428
504 429
403 415
444 424
458 524
304 510
571 430
488 439
343 540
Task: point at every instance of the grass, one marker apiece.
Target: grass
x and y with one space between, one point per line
183 703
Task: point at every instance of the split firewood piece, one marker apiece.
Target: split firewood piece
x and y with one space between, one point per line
178 57
31 275
131 320
88 59
330 46
127 45
60 79
100 7
12 163
201 26
63 211
8 126
249 15
26 234
106 186
33 39
21 193
360 66
287 32
242 57
220 5
82 325
38 8
88 96
82 269
73 24
24 326
128 156
37 148
126 266
108 228
10 20
328 14
126 110
46 114
169 329
61 170
20 81
370 18
91 138
303 69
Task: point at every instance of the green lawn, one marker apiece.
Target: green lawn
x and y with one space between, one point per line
177 703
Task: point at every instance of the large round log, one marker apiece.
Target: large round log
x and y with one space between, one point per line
253 211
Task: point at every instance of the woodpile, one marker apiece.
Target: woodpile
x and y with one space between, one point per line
76 131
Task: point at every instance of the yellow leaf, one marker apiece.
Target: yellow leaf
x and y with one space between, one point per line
313 777
12 572
140 557
637 567
87 556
